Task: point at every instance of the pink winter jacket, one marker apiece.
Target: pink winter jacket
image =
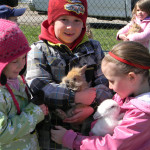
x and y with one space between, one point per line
143 36
132 134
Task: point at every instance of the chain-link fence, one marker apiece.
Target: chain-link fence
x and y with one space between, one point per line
106 17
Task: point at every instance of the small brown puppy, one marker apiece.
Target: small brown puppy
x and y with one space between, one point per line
76 81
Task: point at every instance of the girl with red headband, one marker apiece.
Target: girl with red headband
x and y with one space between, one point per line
126 67
18 116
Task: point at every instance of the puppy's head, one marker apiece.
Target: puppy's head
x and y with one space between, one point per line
75 79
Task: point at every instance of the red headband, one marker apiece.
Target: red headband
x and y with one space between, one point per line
127 62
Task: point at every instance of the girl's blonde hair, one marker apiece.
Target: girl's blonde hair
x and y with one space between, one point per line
144 5
133 52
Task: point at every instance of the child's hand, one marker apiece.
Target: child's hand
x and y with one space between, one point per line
123 37
80 114
44 109
86 96
57 135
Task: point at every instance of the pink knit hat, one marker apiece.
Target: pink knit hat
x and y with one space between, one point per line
13 43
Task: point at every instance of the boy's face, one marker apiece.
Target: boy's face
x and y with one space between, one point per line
67 29
12 70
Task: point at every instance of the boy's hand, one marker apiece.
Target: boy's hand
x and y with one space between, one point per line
86 96
80 114
57 135
44 109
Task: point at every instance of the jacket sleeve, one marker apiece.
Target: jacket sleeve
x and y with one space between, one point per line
39 77
123 30
141 36
101 83
130 134
16 126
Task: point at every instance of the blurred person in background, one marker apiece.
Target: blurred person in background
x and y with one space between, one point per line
138 29
11 3
12 14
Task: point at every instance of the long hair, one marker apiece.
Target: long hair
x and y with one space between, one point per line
144 5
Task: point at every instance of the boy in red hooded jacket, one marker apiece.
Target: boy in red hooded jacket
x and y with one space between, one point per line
63 44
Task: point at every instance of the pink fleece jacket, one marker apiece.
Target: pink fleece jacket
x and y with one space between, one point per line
143 36
132 134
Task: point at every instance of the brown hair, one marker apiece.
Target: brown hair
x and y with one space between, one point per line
133 52
144 5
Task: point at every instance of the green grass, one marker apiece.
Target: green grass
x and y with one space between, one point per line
107 37
31 32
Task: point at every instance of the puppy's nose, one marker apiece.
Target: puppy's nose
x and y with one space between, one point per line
67 83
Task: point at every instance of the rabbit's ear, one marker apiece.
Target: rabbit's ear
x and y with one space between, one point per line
83 69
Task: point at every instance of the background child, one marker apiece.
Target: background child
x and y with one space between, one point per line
18 117
63 45
6 12
141 18
127 69
12 3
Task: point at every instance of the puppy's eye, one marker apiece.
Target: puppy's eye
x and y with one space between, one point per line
74 79
67 81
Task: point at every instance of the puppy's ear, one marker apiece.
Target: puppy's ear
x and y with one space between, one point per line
83 69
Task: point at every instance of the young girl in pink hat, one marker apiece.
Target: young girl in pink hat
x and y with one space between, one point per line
18 116
126 67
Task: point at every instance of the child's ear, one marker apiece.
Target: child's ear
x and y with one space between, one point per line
132 76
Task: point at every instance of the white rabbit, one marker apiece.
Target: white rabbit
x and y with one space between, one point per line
108 115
